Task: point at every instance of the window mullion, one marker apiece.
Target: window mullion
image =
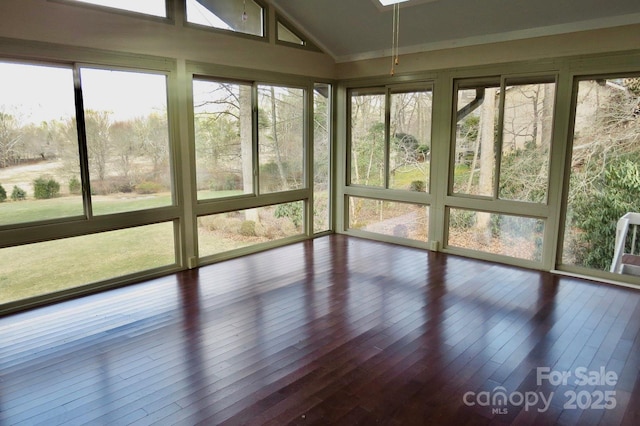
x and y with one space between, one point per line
255 142
387 136
82 143
498 140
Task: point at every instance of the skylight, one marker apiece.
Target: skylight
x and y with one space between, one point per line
390 2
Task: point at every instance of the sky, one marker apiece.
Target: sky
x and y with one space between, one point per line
150 7
196 13
36 93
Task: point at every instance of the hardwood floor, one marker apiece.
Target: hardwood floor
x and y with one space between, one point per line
337 330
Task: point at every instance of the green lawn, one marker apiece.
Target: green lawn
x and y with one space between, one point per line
42 268
12 212
404 175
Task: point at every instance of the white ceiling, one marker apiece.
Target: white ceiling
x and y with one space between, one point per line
361 29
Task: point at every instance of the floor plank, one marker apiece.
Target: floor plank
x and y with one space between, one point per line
337 330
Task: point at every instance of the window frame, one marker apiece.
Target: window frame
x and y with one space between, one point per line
257 199
387 91
168 18
306 43
265 24
610 72
503 81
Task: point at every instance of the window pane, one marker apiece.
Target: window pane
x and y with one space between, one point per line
526 142
410 141
222 232
321 157
477 117
127 140
149 7
39 163
243 16
367 139
605 168
281 138
223 137
42 268
513 236
389 218
286 35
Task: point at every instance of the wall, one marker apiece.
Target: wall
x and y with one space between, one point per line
82 26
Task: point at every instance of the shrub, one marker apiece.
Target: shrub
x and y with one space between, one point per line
3 194
75 187
462 219
18 194
596 215
248 228
225 182
44 188
418 186
148 187
292 211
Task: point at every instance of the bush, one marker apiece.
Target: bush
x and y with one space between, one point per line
75 187
292 211
462 219
226 182
418 186
597 214
148 187
18 194
248 228
44 188
3 194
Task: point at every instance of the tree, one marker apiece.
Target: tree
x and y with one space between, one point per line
281 128
604 169
10 139
153 140
125 147
97 125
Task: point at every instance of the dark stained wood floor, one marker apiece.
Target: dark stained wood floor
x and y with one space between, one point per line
337 330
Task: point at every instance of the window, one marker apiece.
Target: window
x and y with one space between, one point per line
42 268
39 163
402 220
223 137
286 35
389 165
223 232
127 135
281 140
410 140
367 138
503 139
321 157
392 154
148 7
501 151
604 175
508 235
72 152
242 16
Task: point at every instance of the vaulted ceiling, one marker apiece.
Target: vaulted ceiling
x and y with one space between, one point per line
362 29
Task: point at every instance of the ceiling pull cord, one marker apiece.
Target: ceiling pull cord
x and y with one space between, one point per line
395 34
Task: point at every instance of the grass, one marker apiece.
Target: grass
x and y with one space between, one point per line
404 175
42 268
12 212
